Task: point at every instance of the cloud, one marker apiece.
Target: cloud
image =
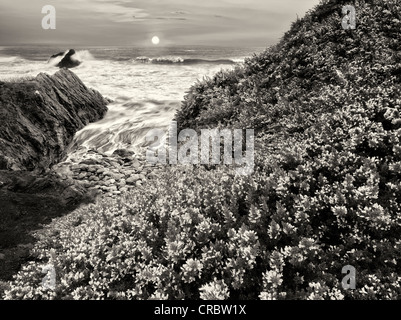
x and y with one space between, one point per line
113 22
115 11
158 18
180 12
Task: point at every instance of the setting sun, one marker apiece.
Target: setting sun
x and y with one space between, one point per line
155 40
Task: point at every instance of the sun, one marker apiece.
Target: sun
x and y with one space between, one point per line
155 40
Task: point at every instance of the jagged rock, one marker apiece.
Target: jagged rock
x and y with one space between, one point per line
69 61
39 118
60 54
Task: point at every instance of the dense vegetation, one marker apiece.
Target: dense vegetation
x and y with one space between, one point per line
326 192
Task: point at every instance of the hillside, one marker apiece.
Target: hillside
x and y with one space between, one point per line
326 192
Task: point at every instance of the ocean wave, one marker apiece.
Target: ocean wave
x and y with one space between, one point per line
8 59
125 125
84 55
180 60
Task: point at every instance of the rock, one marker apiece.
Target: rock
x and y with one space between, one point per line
35 130
82 175
117 176
92 169
93 178
123 153
94 192
138 183
90 162
83 167
152 175
109 182
72 195
136 164
70 60
75 168
133 179
86 183
122 183
60 54
110 189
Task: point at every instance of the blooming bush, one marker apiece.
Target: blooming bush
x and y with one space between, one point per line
325 193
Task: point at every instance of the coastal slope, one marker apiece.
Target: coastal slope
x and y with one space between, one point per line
325 195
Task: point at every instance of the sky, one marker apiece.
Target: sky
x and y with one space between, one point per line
253 23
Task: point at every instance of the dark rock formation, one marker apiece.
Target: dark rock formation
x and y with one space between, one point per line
56 55
39 118
69 61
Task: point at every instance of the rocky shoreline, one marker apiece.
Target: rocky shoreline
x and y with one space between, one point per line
39 118
108 175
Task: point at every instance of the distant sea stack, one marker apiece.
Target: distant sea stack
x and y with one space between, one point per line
40 116
68 61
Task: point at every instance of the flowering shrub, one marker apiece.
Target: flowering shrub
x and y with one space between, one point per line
326 190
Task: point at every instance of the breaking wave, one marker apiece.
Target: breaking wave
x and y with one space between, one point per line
179 60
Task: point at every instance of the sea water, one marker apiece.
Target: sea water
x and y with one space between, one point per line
146 85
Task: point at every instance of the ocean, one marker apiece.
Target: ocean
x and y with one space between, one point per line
147 85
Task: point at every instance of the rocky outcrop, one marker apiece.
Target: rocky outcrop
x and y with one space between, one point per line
69 61
40 116
60 54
